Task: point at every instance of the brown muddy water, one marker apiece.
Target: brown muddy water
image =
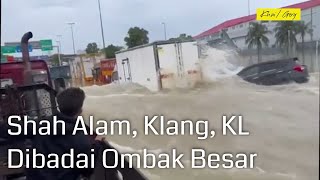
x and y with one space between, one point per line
283 122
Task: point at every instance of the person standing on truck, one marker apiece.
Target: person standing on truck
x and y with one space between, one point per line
70 102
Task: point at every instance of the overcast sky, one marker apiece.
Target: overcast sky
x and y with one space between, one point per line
48 18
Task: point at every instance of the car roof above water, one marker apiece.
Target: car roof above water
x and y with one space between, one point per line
277 61
274 61
270 62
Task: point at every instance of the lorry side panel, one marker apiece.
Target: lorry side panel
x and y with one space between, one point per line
192 67
168 65
138 66
179 64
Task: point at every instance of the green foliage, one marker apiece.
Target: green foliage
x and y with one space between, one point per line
182 37
285 33
257 37
303 28
92 48
136 37
111 50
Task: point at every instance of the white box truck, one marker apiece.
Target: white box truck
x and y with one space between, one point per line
160 65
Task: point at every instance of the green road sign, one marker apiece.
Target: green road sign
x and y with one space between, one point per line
3 58
8 49
46 45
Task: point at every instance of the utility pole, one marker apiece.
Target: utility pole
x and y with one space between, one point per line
101 24
289 43
311 21
59 39
249 8
71 26
59 53
74 50
317 55
59 49
165 30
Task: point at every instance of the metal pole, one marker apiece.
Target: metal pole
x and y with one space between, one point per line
101 24
71 26
165 30
289 44
60 48
248 7
74 49
60 36
317 55
59 57
311 21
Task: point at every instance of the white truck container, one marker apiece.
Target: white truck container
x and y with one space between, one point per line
160 65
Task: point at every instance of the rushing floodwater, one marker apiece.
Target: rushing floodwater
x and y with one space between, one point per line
283 122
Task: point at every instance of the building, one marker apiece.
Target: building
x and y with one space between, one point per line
237 29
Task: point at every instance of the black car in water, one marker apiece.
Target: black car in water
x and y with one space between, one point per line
276 72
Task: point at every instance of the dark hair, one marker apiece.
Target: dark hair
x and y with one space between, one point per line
70 101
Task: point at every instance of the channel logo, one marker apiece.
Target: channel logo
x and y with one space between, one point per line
278 14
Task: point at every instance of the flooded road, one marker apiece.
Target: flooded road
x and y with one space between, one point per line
283 122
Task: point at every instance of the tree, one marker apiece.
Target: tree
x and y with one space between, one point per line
182 37
92 48
302 28
111 50
136 37
286 35
256 37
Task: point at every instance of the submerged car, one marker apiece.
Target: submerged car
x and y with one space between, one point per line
276 72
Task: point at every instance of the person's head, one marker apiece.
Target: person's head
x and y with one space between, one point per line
70 101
